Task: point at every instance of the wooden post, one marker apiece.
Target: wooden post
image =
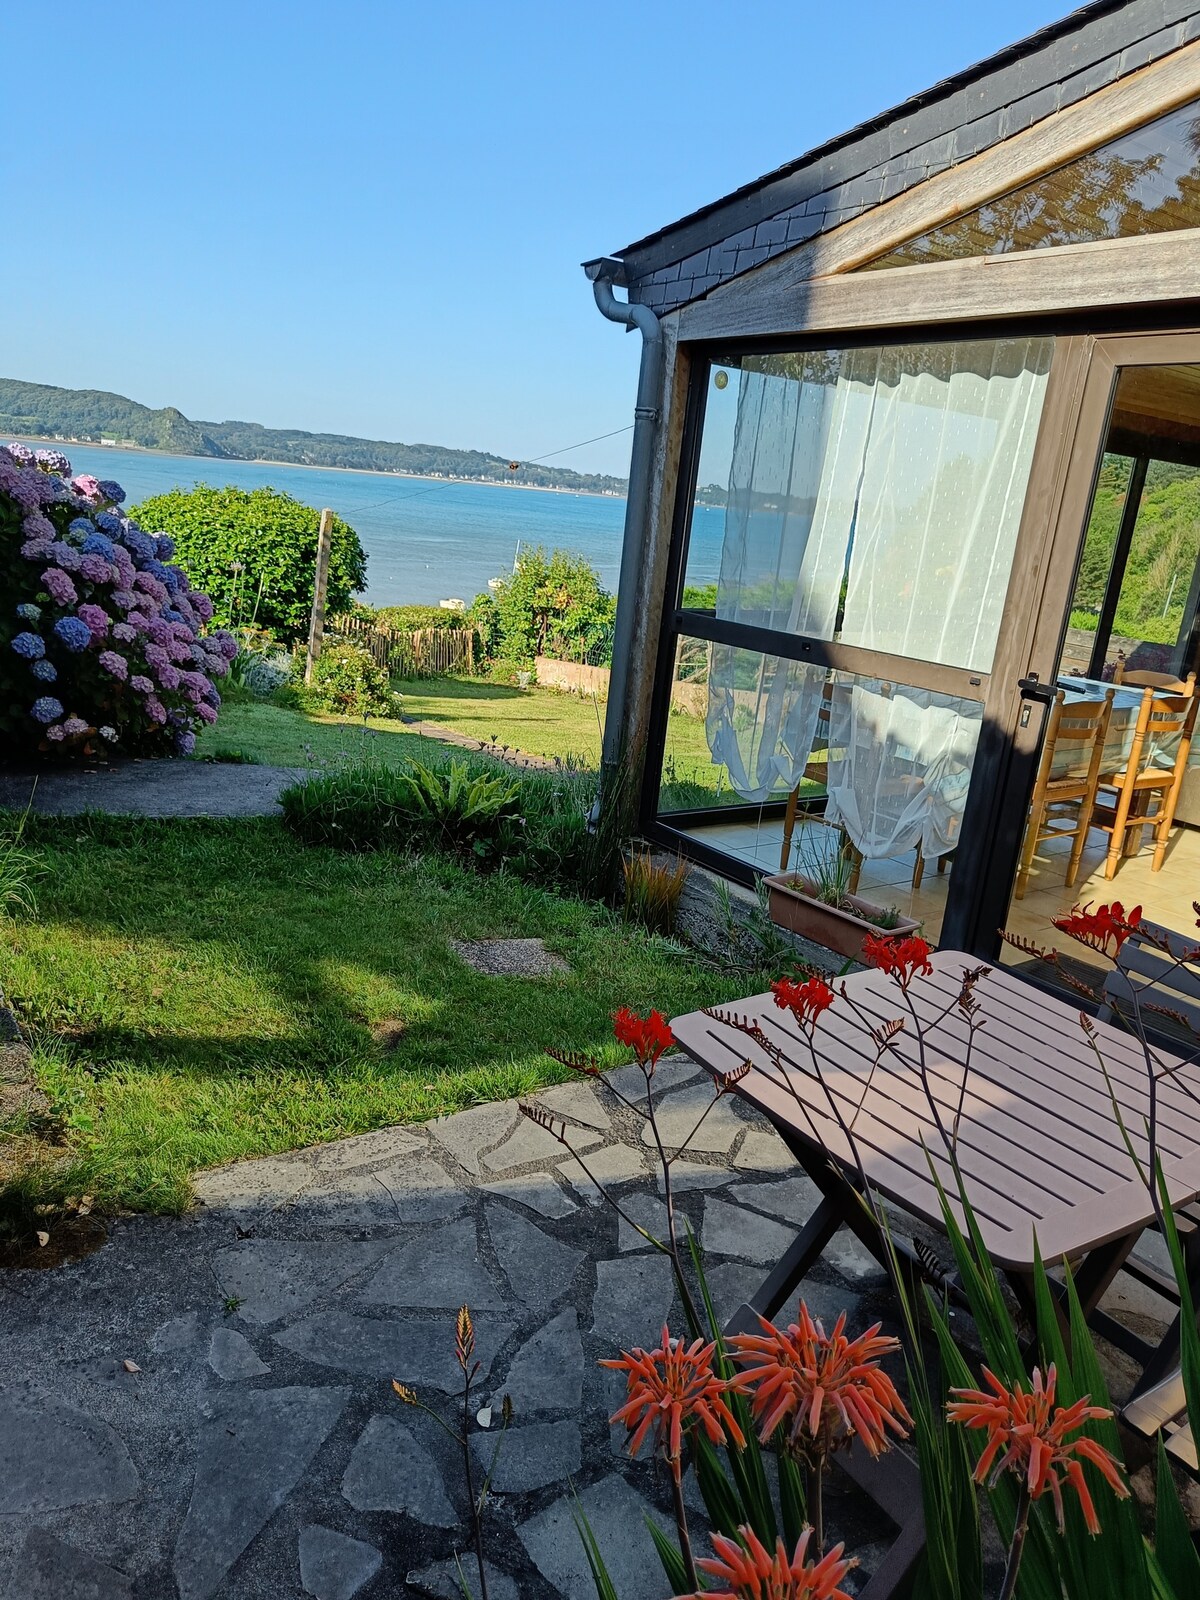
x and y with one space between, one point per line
316 627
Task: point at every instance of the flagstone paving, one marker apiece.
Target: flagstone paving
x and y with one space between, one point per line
203 1409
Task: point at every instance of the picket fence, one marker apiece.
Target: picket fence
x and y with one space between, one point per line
423 653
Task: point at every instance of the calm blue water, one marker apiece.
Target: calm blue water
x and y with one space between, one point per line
425 539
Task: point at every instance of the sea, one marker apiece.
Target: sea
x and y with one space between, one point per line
426 539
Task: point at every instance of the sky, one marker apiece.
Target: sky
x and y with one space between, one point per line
368 218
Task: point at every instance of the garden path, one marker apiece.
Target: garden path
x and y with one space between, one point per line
203 1408
150 789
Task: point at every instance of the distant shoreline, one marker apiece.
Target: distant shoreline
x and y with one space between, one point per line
311 466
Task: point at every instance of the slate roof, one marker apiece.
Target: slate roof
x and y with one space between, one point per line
949 123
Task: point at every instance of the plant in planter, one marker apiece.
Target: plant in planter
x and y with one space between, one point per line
814 901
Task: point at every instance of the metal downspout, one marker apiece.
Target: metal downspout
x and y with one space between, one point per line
623 684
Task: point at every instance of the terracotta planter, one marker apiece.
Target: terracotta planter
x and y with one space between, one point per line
795 907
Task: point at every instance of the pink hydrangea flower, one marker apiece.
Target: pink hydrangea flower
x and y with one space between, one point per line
206 713
87 486
155 709
59 586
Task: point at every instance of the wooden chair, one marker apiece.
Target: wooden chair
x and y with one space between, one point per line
1146 792
1070 797
817 771
1164 682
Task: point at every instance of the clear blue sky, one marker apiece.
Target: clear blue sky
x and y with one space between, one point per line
369 218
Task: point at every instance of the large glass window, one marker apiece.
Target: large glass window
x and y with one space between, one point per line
1147 181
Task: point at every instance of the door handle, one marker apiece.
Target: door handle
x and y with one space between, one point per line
1032 688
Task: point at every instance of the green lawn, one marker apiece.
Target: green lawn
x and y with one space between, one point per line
204 990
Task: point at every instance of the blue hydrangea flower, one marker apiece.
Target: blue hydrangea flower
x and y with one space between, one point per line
185 743
78 529
47 709
28 646
108 522
137 543
28 612
76 635
98 544
111 491
44 671
171 615
165 546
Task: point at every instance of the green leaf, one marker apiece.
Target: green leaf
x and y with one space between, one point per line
605 1589
792 1500
1173 1547
671 1559
721 1499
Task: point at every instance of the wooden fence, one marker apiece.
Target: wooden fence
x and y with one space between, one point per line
424 653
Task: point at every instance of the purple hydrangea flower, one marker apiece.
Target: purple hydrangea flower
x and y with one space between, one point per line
59 587
155 710
206 713
115 665
28 612
141 683
52 461
165 546
28 646
74 726
96 619
46 709
57 733
226 644
37 549
168 676
158 631
25 489
156 656
123 599
37 525
149 585
65 555
44 671
96 570
185 742
123 633
202 606
21 453
110 491
178 651
74 634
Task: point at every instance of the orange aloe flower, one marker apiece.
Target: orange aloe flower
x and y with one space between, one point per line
749 1571
1098 929
647 1037
831 1387
805 1001
669 1388
901 959
1027 1435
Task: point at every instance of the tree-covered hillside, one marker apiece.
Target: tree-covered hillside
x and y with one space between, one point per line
88 415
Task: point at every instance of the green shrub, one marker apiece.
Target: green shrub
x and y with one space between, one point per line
408 619
553 605
255 552
347 679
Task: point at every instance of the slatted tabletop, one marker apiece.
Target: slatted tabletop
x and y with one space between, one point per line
1038 1144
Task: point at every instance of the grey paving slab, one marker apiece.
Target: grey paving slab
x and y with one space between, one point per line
529 1143
275 1278
617 1515
762 1150
363 1149
669 1074
50 1569
687 1175
614 1164
468 1133
334 1566
419 1351
251 1453
52 1456
853 1260
391 1470
165 788
538 1191
440 1268
649 1212
578 1101
422 1191
532 1457
177 1334
440 1582
679 1114
539 1268
354 1202
632 1300
546 1374
731 1283
794 1200
232 1356
729 1230
262 1185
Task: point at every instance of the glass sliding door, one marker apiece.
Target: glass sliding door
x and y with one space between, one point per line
845 575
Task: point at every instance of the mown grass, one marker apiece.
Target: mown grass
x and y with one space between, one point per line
201 990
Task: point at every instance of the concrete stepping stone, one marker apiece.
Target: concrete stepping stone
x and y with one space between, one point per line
418 1351
439 1269
422 1191
729 1231
614 1164
48 1569
53 1456
650 1213
530 1458
468 1133
391 1470
633 1300
265 1184
794 1200
272 1278
332 1565
671 1072
231 1356
577 1101
617 1516
510 958
539 1269
546 1374
538 1191
528 1143
354 1201
362 1150
177 1335
764 1151
679 1114
251 1452
687 1175
440 1582
731 1284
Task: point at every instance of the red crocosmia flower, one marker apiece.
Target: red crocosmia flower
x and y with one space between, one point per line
831 1388
749 1571
1027 1434
805 1001
669 1389
901 959
1105 929
647 1037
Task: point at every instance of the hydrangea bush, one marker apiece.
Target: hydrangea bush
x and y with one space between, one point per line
103 642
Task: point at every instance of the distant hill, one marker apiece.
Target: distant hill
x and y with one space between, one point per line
90 415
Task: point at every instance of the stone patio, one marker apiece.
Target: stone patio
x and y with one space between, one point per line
204 1407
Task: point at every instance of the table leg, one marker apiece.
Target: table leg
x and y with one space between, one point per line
1166 1357
793 1266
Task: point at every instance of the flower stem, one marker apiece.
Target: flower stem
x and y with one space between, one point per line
681 1525
816 1501
476 1508
1020 1529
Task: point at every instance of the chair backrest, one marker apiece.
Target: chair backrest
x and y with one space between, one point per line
1152 955
1166 681
1081 723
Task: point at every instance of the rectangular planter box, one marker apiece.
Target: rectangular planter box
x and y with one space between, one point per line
800 912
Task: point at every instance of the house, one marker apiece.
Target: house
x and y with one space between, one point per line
916 483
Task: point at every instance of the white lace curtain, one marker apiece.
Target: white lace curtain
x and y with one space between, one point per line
886 484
